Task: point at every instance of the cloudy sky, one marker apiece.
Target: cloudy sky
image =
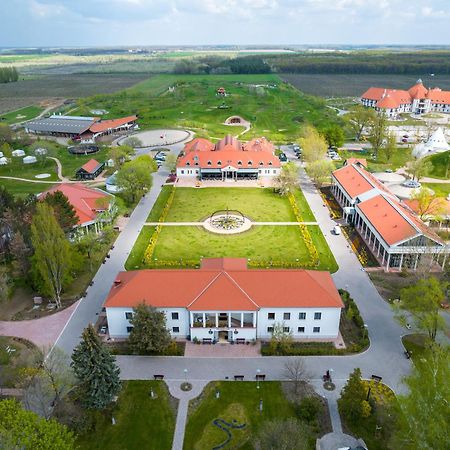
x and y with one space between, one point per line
176 22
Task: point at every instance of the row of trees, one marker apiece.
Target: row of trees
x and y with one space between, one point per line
220 65
8 74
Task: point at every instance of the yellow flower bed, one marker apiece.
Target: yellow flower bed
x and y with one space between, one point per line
379 392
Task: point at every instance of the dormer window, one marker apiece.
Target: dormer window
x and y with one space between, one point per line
250 163
209 163
188 163
270 163
195 158
239 163
219 163
261 163
196 164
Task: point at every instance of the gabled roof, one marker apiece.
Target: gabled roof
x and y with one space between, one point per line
224 286
105 125
418 91
438 96
91 166
86 201
351 179
361 161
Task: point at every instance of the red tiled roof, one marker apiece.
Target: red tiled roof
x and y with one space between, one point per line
228 288
362 161
104 125
352 181
438 96
86 201
229 152
90 166
418 91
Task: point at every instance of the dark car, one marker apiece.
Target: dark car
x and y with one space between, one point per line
282 157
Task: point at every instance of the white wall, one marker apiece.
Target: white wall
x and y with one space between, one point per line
117 322
187 172
329 322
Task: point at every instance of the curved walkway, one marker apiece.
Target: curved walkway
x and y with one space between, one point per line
59 169
402 171
42 332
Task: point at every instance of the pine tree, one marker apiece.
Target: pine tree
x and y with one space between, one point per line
64 212
353 404
53 255
149 333
96 370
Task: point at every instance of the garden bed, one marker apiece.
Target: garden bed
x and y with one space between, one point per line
176 348
362 251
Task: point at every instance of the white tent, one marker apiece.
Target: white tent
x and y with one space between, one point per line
3 161
18 153
436 144
40 151
29 160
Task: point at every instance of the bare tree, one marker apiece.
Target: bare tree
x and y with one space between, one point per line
295 371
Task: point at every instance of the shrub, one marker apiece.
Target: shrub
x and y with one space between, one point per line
308 409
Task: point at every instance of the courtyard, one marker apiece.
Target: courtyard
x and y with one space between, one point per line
183 241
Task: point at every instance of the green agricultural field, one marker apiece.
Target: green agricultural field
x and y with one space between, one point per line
21 115
275 109
141 422
272 244
239 402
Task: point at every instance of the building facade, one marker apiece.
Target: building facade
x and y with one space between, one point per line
392 231
417 100
224 301
228 160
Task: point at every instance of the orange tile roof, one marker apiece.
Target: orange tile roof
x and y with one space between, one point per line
362 161
90 166
438 96
86 201
229 152
352 181
228 288
418 91
105 125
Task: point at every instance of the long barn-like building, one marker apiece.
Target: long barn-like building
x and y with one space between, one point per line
417 100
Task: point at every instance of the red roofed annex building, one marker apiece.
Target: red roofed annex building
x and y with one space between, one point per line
223 300
417 99
88 203
229 159
393 232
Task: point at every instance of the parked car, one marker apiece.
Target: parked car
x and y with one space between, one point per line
388 170
160 157
412 184
337 230
405 140
282 157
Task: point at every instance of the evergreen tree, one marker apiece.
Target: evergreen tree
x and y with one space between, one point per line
352 404
64 212
149 333
96 370
53 255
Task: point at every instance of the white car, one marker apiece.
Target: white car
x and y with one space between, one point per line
412 184
337 230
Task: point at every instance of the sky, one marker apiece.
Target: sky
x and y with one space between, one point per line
40 23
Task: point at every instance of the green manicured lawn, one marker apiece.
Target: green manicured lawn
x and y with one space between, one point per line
16 168
397 160
239 401
441 165
22 188
276 112
415 344
441 189
260 205
141 422
71 163
20 115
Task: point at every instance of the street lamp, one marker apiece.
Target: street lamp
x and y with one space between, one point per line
258 371
366 332
185 374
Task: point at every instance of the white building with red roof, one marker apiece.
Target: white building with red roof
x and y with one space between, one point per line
87 202
417 99
392 231
223 300
228 160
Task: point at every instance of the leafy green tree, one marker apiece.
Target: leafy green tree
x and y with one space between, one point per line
314 145
422 301
171 162
64 211
428 203
281 340
21 429
389 148
334 136
96 370
358 119
378 131
423 422
149 333
320 171
352 404
287 180
288 434
20 251
6 135
6 149
135 177
4 284
52 259
418 168
133 142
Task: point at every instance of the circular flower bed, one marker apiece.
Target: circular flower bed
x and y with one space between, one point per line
329 386
186 387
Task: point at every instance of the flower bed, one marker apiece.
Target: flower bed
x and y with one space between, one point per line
360 248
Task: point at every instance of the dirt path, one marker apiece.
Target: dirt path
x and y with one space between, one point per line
59 170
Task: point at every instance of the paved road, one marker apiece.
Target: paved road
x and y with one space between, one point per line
384 357
89 307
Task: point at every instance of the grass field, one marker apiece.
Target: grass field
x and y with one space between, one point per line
353 85
16 168
275 109
238 401
441 189
261 244
21 115
20 188
141 422
441 165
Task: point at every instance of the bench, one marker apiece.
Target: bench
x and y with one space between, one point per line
239 378
260 377
158 377
207 341
240 341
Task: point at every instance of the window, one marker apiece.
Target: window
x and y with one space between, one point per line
188 163
195 158
316 330
219 163
239 163
301 329
182 172
287 316
250 163
271 316
209 163
175 316
270 163
128 315
270 329
129 329
317 316
302 316
286 329
175 329
196 163
261 163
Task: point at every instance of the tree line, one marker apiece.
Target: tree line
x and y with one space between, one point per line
220 65
8 74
